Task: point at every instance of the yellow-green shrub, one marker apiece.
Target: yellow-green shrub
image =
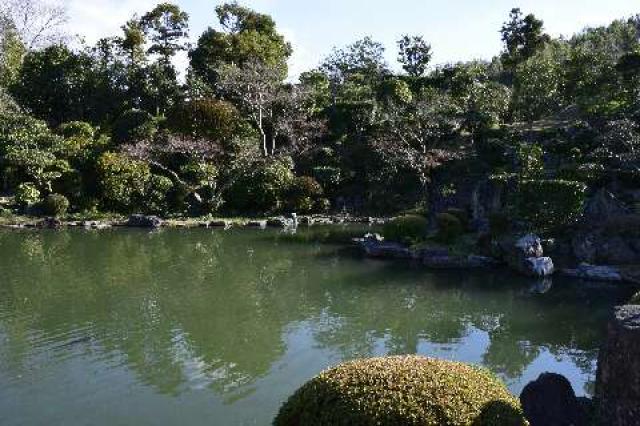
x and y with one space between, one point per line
408 229
408 390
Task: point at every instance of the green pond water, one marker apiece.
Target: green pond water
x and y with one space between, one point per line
202 327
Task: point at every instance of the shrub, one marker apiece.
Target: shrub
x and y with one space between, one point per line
635 300
122 181
205 118
156 200
499 223
77 129
305 194
449 227
548 204
462 215
260 187
27 195
402 391
55 205
134 125
329 177
408 229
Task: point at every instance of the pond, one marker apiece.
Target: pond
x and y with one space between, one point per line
196 327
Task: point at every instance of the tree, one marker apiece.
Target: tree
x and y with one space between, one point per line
38 22
11 52
523 37
356 70
244 36
53 84
423 122
276 110
169 28
538 87
414 55
133 41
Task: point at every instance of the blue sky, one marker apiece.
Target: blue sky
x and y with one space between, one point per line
457 29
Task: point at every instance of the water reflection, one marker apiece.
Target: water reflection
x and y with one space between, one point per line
232 322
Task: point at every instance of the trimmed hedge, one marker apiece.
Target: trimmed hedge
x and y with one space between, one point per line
407 390
408 229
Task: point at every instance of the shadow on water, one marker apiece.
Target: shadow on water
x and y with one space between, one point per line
246 319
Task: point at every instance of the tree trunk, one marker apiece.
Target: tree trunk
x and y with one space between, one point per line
265 151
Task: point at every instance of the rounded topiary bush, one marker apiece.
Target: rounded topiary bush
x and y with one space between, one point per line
449 227
55 205
407 390
409 229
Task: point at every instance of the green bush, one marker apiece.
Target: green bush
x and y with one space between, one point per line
402 391
548 204
27 195
462 215
156 195
205 118
449 227
134 125
260 187
499 223
304 195
122 182
407 229
55 205
635 300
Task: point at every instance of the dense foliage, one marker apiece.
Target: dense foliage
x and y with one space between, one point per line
409 229
111 126
402 390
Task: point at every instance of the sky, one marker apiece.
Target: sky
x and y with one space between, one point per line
458 30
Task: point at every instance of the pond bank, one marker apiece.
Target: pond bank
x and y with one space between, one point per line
143 221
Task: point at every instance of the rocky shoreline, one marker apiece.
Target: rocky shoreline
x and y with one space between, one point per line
155 222
524 255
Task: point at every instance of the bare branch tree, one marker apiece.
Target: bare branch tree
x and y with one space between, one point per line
277 110
38 22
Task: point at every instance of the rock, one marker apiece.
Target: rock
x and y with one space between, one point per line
262 224
525 255
596 273
306 220
383 250
142 221
460 262
618 377
280 222
540 266
218 224
602 207
530 246
51 223
551 401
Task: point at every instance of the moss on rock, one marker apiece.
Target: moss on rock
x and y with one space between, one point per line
407 390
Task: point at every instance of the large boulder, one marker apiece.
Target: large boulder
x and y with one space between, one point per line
142 221
407 390
551 401
618 378
525 255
